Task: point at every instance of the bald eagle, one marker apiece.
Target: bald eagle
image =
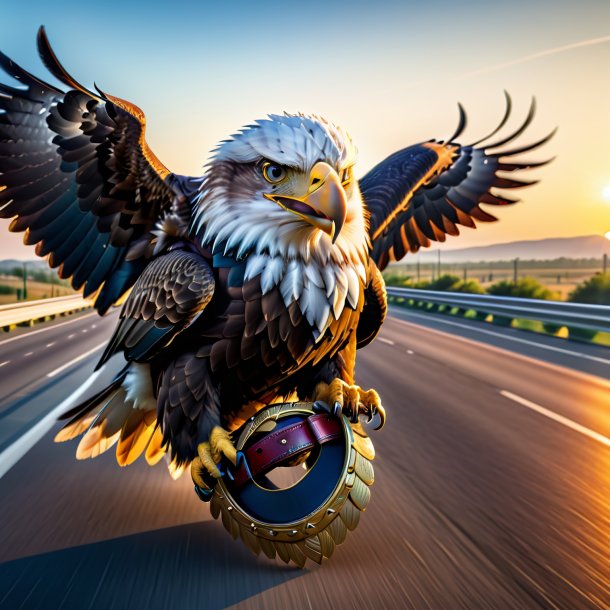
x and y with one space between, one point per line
255 282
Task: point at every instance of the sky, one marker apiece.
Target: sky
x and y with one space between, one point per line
392 73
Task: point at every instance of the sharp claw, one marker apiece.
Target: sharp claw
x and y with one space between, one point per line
321 407
337 409
381 414
205 495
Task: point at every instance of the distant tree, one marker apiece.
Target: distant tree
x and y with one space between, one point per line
17 271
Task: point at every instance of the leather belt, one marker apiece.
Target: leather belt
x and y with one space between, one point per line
279 445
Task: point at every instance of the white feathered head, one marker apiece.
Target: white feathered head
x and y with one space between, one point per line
284 186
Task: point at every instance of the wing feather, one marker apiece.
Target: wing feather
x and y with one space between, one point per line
424 192
77 176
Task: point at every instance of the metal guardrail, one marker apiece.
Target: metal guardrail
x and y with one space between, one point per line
579 315
28 312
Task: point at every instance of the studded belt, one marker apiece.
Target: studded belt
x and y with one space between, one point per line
285 443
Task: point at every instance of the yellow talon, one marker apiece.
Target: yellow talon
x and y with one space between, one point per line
221 444
350 399
197 470
210 454
207 460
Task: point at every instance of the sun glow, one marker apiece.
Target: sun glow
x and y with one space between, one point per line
607 234
606 193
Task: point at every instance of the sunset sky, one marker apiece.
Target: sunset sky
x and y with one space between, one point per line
390 72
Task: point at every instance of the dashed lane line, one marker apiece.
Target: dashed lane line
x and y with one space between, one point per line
30 333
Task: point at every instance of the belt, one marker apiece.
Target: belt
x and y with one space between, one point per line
279 445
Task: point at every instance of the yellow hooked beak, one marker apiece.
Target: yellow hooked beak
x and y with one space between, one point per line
324 205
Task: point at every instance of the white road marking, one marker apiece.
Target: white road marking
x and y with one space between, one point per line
384 340
50 344
410 352
43 330
552 348
596 436
94 326
13 453
70 336
3 363
84 330
28 354
75 360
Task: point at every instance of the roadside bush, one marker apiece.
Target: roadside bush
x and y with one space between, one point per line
526 287
7 290
470 286
595 290
444 282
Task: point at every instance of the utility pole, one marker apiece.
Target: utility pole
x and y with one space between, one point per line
439 263
515 270
418 269
465 272
25 281
605 264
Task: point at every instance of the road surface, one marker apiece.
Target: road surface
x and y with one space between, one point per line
492 488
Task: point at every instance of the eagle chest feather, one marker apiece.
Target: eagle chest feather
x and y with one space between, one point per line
267 330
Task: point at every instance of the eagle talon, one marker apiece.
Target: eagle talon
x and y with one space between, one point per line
351 400
210 455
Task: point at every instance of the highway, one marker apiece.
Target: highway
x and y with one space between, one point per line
492 486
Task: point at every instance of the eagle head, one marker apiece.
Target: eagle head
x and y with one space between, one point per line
283 186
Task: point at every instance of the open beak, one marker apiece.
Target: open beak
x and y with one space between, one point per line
325 203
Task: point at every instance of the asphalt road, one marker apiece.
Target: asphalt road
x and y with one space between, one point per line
492 491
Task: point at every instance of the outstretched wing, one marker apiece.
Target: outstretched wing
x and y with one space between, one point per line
77 176
167 297
423 192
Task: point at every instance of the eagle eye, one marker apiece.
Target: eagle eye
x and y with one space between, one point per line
272 172
346 176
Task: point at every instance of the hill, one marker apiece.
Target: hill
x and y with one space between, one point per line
588 246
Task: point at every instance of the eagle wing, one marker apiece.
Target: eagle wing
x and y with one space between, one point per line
166 299
423 192
77 176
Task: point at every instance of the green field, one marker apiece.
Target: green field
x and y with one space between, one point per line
9 285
